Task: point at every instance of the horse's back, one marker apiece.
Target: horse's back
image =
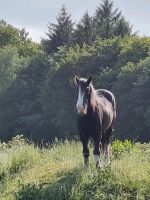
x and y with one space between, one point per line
108 95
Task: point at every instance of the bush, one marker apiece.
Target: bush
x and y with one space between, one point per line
121 147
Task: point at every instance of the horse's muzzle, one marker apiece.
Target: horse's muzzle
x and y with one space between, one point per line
81 110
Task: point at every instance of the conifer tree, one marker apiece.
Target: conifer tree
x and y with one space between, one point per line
122 28
59 34
84 32
109 22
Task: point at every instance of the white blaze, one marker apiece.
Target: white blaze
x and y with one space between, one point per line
80 99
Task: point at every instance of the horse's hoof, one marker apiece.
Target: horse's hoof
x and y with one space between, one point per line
86 167
99 165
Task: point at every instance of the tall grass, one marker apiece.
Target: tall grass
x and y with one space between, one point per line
56 172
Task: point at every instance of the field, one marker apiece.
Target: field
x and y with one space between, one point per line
56 172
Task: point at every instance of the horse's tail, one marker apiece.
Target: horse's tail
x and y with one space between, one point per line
114 108
113 103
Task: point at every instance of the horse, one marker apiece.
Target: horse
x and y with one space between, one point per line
96 114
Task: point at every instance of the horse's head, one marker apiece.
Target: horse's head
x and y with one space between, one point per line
83 94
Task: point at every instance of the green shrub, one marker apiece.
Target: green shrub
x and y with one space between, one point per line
120 147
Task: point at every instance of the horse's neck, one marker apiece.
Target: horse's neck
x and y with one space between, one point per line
93 99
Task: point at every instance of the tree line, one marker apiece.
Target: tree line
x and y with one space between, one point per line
37 90
106 22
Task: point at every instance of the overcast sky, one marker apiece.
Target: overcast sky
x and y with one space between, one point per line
34 15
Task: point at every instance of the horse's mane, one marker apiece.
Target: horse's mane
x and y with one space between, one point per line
93 97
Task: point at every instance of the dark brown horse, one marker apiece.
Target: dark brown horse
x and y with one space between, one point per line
95 119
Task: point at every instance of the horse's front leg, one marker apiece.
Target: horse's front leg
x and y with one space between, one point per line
85 153
96 153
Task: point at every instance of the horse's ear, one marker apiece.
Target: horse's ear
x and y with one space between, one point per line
89 80
76 79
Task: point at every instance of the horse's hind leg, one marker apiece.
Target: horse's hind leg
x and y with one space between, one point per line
107 152
106 144
85 153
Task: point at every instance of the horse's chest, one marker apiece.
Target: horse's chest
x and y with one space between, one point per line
87 124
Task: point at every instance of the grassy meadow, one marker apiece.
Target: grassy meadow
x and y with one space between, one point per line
56 172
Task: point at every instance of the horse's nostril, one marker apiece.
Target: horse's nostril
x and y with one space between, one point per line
81 109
